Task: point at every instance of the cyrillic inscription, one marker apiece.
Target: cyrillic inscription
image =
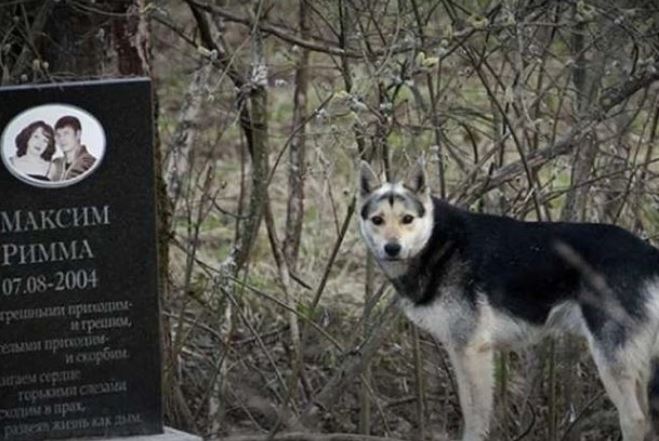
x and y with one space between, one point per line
22 221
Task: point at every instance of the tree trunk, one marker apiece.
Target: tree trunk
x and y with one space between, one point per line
297 153
586 81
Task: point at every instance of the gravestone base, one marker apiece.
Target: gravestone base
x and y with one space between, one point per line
168 435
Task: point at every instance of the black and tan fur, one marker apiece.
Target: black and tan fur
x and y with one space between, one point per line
479 282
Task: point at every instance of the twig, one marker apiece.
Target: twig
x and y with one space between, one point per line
353 364
29 45
610 98
531 423
293 39
335 252
581 414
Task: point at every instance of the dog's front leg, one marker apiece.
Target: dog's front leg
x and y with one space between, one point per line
473 365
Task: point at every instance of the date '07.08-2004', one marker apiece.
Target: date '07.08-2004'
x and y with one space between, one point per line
70 280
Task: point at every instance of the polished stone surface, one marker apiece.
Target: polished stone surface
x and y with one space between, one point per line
79 320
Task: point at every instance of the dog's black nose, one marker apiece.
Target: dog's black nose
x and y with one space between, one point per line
392 249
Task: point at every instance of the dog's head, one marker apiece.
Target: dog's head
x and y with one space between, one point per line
395 218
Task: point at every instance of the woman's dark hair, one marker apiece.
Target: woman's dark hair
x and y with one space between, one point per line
23 137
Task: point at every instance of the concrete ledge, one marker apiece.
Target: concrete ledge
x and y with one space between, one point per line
168 435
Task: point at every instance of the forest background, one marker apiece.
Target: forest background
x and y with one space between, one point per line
276 324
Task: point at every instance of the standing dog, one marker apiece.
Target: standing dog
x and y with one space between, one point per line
478 282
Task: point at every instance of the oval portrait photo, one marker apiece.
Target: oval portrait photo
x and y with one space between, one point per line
52 145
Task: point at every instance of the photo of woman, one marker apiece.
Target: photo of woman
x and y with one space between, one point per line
35 147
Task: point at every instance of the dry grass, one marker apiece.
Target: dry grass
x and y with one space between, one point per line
235 353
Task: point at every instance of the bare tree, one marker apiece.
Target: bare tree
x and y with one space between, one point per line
535 110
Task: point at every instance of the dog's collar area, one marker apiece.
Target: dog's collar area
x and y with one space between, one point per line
422 279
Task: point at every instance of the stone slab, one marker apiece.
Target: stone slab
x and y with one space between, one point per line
79 314
169 434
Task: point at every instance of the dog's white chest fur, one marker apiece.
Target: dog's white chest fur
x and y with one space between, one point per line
446 319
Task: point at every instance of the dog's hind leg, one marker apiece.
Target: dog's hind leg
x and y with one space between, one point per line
473 365
652 396
625 384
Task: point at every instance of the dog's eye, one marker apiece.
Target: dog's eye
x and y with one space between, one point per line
377 220
408 219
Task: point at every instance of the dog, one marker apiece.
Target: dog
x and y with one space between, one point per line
479 283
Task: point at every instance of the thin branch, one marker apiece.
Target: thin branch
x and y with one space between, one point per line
610 98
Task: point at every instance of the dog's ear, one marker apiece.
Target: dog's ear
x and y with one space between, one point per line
417 180
368 180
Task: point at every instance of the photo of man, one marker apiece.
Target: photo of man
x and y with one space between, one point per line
77 159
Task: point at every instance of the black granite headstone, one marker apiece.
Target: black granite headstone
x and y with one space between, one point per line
79 346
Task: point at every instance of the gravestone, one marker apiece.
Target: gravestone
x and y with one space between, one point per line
79 344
